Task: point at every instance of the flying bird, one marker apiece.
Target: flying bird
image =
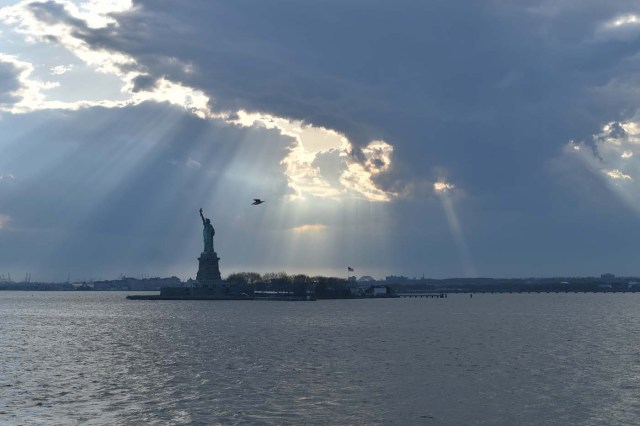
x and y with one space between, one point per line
257 201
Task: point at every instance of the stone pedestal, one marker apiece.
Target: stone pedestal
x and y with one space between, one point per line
208 269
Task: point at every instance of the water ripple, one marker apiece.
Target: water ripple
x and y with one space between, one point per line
96 358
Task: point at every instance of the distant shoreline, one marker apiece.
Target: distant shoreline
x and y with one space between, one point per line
339 288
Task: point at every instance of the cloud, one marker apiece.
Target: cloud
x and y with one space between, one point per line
9 82
5 221
309 228
18 92
375 159
612 156
193 164
352 103
616 174
441 186
620 28
306 178
143 82
65 24
7 177
22 93
71 27
61 69
249 67
532 67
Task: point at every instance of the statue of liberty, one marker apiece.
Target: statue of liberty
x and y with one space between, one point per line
207 234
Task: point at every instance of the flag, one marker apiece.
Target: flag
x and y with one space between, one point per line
349 268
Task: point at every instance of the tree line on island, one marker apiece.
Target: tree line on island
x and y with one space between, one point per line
325 287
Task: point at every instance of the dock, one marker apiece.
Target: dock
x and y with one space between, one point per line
423 295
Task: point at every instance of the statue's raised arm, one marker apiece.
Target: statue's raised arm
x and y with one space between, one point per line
207 234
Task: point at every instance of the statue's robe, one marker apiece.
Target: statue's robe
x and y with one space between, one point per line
207 234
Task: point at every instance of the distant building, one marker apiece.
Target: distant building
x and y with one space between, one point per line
607 277
397 279
378 291
135 284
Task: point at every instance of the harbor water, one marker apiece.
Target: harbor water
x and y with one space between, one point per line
494 359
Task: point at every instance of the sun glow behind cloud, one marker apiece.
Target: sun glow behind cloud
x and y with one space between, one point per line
620 21
307 179
359 175
441 187
333 233
621 27
315 227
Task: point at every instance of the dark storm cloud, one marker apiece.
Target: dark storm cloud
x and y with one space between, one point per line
143 82
463 86
51 12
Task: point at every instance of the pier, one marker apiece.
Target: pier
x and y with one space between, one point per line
421 295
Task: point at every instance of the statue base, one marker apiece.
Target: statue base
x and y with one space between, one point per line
208 270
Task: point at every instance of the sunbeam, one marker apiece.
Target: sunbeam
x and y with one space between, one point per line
614 156
443 190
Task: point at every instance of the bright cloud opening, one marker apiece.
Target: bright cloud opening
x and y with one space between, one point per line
359 176
441 186
307 179
623 27
617 174
613 156
620 21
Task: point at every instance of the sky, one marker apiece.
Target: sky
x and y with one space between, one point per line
436 138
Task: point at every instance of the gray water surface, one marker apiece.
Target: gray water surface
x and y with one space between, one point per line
97 358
